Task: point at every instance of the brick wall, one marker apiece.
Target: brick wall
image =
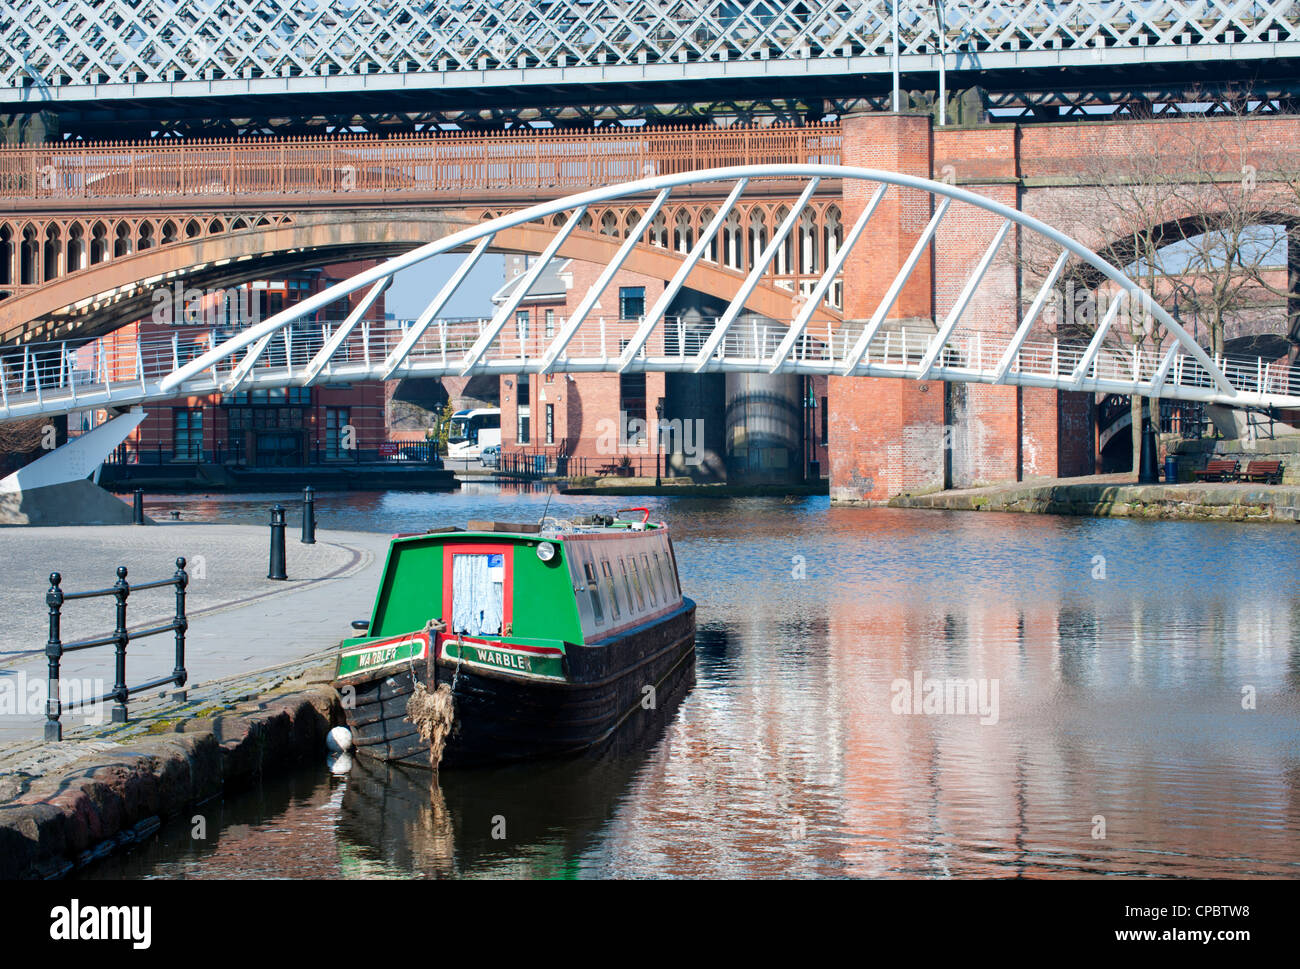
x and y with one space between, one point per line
586 404
886 435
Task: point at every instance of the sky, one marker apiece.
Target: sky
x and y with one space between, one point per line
413 288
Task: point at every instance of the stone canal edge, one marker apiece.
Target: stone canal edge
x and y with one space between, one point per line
110 800
1117 496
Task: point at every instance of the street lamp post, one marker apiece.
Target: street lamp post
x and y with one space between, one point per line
659 425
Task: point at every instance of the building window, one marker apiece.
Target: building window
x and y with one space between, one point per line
631 302
337 432
187 434
631 403
525 396
521 324
271 397
550 324
826 421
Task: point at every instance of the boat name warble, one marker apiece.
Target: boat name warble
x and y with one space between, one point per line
498 658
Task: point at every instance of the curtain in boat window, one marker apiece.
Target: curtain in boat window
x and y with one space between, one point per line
477 594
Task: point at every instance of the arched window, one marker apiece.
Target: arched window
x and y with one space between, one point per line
757 235
29 258
98 243
807 243
53 242
6 255
733 247
783 263
683 232
76 257
711 250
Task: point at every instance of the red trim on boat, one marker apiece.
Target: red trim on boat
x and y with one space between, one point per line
506 551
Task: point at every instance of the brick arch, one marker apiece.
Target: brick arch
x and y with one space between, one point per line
1120 249
103 297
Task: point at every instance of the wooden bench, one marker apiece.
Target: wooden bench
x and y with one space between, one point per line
1265 472
606 469
1222 470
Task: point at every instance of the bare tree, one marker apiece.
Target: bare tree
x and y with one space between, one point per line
1190 209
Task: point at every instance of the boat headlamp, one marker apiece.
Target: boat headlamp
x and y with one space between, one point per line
545 551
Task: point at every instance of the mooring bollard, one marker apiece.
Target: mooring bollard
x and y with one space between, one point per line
137 507
276 570
308 516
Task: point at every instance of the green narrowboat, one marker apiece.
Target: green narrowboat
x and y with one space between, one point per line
501 643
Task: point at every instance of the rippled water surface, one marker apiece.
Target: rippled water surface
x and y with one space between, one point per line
1147 718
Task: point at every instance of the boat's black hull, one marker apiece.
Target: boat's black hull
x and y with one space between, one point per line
501 718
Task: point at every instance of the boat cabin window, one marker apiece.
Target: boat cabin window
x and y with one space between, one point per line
627 585
478 594
651 581
636 584
663 577
611 588
593 591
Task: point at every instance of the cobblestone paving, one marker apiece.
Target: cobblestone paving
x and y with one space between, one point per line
240 621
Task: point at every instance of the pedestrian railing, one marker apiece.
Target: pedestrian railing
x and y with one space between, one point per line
120 638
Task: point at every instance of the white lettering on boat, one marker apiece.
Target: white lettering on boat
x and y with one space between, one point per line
376 657
387 653
499 658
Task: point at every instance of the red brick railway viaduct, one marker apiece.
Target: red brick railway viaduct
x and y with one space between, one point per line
892 436
887 436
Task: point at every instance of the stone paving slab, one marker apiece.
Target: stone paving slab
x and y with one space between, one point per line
240 621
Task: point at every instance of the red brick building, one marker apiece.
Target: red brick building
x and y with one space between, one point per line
703 425
253 427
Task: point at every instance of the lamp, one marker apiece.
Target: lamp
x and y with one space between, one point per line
659 424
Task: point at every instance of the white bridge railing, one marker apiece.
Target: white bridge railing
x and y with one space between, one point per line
43 379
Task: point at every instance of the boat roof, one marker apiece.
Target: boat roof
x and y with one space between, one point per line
551 527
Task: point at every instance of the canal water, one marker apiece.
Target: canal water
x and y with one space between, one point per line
1135 710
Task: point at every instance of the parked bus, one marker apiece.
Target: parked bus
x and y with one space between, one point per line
473 430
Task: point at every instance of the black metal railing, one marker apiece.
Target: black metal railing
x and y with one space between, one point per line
529 465
1187 419
316 453
120 638
425 451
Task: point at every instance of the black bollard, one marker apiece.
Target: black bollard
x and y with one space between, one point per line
137 508
1148 470
308 516
54 654
276 571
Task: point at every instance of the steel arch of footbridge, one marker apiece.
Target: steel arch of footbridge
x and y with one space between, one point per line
277 352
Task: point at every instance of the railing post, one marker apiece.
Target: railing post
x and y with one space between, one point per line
121 590
54 653
182 579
